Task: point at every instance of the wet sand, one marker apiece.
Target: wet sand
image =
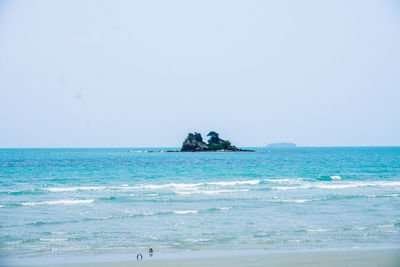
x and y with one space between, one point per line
382 257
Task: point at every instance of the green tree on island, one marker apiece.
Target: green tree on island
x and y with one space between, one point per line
214 137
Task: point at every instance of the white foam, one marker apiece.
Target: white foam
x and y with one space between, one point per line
230 183
391 195
69 189
224 208
320 230
181 212
58 233
335 177
184 193
390 231
290 187
171 185
292 200
1 206
209 192
385 226
126 187
359 228
60 202
341 185
214 192
196 240
53 239
14 242
290 181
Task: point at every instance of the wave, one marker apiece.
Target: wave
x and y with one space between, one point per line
339 185
78 188
320 230
329 178
149 186
224 208
162 186
53 239
249 182
60 202
219 209
289 181
209 192
211 188
182 212
128 215
330 197
387 195
293 200
22 192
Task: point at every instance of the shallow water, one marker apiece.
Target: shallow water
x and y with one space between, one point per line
106 201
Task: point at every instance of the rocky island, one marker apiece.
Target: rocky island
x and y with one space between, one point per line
194 143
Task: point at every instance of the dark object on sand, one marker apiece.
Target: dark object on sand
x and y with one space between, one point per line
139 257
194 143
151 252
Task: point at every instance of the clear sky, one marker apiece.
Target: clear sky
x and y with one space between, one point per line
145 73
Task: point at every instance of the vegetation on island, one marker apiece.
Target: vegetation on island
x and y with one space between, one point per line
194 143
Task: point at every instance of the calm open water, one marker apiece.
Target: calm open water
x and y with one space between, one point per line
104 201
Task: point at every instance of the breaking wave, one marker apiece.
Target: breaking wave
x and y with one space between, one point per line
60 202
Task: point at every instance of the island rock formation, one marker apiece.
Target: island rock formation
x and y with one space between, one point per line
194 143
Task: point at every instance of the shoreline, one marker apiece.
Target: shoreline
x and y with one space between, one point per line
303 257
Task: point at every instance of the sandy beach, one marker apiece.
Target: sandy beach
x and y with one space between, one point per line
381 257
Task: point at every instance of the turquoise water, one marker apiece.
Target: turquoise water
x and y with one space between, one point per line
71 202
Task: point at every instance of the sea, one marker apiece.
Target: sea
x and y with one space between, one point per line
71 203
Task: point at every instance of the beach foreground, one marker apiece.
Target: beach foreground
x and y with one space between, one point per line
382 257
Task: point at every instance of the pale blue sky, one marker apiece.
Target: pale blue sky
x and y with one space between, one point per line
144 73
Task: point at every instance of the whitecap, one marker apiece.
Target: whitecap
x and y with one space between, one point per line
320 230
292 200
289 187
69 189
196 240
60 202
230 183
58 233
174 185
181 212
359 228
391 195
335 177
290 181
184 193
224 208
385 226
339 185
209 192
213 192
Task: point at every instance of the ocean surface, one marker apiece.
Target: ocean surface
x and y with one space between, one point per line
72 202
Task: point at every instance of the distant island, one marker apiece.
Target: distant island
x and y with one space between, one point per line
194 143
282 145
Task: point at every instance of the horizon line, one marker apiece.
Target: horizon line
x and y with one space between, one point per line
141 147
